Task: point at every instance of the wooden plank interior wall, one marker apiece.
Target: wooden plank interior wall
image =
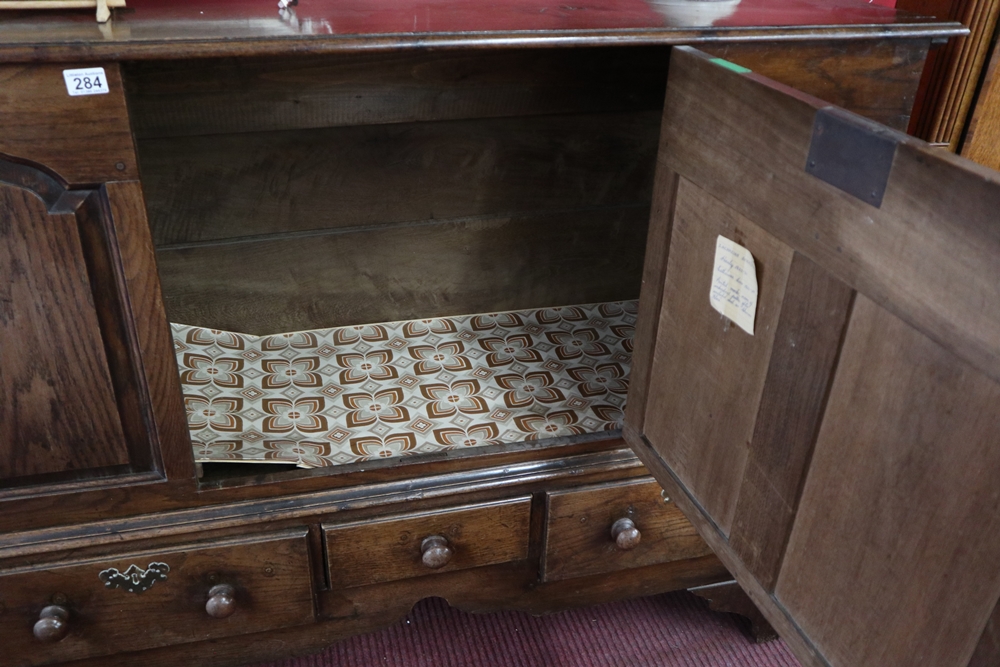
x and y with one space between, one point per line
375 188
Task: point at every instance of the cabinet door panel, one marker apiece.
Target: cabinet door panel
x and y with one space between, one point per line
710 455
73 397
57 406
839 460
899 517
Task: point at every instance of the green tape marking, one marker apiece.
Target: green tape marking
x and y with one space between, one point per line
739 69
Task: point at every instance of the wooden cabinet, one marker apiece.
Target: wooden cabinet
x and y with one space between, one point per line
266 182
839 459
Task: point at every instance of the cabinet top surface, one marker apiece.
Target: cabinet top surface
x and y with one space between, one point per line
153 29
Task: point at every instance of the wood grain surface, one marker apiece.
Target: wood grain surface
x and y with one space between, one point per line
877 79
695 349
85 140
982 141
389 548
362 610
578 522
953 72
485 264
153 347
937 209
57 404
269 573
814 314
654 275
172 31
891 551
243 185
898 529
198 97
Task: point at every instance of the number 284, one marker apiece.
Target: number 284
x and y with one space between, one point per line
87 83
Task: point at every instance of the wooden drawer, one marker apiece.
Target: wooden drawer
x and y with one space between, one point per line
578 530
163 600
373 552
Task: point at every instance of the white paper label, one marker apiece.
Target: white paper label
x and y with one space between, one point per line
734 283
89 81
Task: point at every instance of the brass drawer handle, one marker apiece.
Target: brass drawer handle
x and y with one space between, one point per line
435 552
134 579
52 624
625 534
221 601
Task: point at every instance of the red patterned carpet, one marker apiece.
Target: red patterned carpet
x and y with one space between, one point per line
671 630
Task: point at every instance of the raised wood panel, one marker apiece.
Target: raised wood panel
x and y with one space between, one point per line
389 549
196 97
86 140
57 403
393 273
898 529
578 539
814 315
877 79
241 185
696 348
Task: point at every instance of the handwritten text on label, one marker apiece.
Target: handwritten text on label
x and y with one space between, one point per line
734 283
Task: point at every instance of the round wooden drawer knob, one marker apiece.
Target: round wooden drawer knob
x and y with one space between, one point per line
52 625
221 601
625 534
435 552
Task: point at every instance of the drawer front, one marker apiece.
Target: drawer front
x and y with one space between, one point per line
579 522
140 600
373 552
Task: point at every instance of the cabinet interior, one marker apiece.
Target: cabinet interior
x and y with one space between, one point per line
309 194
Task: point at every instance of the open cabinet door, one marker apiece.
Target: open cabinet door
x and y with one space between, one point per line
843 460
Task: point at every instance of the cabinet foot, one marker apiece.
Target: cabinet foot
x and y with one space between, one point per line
728 597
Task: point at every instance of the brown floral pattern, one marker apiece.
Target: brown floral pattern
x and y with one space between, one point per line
336 396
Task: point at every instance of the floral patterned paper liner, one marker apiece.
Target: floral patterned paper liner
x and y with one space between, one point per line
357 393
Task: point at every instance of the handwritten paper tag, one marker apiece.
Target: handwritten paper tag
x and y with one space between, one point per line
734 284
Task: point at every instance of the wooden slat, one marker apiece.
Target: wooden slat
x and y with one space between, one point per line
877 79
193 97
57 403
406 272
236 185
927 254
814 314
892 559
692 364
154 350
82 139
654 273
982 142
